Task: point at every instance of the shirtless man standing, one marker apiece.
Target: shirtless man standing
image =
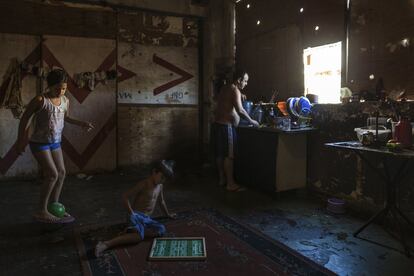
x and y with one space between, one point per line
229 105
146 194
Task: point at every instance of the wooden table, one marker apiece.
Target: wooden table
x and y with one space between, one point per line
391 182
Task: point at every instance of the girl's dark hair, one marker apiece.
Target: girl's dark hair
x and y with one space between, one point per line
56 76
239 74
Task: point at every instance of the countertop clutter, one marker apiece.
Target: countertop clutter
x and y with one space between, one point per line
292 115
384 132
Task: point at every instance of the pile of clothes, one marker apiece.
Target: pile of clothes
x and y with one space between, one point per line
12 80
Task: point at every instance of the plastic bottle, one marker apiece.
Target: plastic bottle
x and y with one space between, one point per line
258 114
403 132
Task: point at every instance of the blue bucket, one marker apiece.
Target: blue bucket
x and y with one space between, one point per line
298 106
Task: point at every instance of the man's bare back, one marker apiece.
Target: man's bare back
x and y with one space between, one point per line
225 112
229 103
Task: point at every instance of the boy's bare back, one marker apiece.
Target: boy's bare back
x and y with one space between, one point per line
146 196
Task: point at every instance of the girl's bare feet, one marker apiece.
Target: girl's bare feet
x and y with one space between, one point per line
67 218
100 247
45 216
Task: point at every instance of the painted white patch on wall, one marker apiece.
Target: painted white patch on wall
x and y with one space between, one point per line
163 75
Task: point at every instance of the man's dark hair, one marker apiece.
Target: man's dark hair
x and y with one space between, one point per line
164 166
56 76
239 74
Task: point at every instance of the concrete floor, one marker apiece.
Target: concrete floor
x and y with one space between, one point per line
295 218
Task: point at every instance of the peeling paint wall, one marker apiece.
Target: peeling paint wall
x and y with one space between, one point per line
161 54
90 151
341 173
74 20
181 7
24 48
94 150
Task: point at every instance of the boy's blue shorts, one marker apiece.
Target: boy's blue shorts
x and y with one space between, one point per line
37 147
140 222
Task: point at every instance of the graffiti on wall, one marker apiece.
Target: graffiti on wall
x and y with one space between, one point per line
163 75
162 52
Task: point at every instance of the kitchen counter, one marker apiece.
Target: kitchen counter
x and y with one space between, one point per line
277 130
271 159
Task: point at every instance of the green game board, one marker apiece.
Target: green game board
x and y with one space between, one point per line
188 248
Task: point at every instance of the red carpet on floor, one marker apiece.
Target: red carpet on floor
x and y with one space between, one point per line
232 249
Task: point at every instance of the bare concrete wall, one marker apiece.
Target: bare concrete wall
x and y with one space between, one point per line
273 63
147 134
161 54
378 29
376 42
218 56
272 51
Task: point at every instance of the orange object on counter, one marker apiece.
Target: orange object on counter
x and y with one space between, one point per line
283 108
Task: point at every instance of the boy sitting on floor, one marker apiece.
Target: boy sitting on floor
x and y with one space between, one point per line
145 194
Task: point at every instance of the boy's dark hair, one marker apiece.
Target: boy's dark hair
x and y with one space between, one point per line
56 76
164 166
239 74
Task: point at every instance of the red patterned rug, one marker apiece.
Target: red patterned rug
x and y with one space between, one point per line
232 249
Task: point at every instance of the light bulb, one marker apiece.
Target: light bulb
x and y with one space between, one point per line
405 42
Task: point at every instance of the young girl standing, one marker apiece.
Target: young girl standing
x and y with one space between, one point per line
50 110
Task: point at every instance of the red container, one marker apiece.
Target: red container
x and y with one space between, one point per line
403 133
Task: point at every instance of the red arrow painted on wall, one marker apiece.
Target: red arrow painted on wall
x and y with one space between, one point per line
80 159
184 75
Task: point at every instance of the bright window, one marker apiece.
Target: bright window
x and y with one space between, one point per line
323 72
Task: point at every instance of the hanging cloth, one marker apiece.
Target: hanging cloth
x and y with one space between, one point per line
13 92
